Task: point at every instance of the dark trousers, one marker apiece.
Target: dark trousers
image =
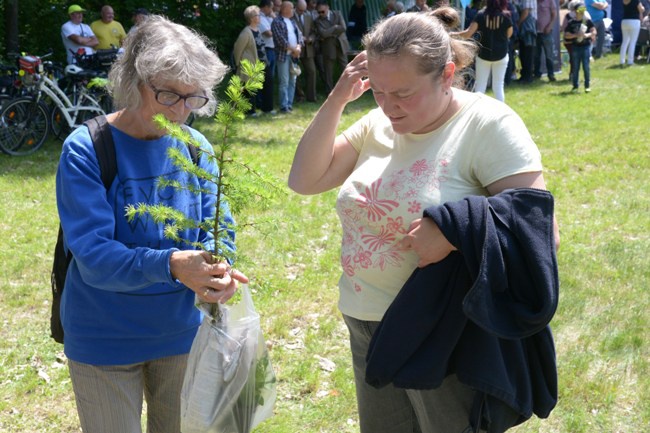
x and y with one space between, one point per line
600 39
265 96
306 86
511 62
329 64
526 55
544 52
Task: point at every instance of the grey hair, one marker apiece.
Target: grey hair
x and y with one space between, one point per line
250 12
162 50
425 36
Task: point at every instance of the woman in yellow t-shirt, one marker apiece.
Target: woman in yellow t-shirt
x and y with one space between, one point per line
427 143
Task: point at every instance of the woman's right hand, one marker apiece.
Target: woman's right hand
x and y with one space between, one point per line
353 81
211 281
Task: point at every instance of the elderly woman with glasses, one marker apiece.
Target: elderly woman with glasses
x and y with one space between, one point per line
250 46
128 306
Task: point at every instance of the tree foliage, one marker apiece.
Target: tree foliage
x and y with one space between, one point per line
39 21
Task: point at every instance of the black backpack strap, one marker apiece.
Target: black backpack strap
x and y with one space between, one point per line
102 138
194 153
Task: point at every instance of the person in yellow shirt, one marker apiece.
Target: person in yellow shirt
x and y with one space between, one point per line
110 33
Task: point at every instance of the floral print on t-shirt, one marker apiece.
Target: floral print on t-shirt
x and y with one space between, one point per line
376 216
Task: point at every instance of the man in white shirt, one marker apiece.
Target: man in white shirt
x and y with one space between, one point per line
265 97
76 35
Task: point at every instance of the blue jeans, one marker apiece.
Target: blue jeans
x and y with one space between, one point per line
287 83
580 56
600 39
396 410
545 44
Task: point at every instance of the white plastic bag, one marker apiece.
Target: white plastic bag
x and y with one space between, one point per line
229 384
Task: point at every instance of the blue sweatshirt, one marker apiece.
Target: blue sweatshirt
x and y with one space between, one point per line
120 304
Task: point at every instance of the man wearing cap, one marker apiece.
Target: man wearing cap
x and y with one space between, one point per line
109 32
139 15
77 35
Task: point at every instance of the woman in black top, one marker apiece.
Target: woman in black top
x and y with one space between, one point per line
494 26
630 27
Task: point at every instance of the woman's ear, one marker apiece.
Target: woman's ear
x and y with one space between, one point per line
448 74
450 69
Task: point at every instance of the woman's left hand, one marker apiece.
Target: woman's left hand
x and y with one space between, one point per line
427 241
228 282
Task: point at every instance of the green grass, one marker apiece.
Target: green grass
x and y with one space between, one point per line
596 154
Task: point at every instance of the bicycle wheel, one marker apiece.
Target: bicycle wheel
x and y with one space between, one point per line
24 125
3 100
104 99
59 124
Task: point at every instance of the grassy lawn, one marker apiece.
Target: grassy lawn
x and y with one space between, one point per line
597 159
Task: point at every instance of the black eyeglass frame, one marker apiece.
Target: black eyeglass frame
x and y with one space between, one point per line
157 92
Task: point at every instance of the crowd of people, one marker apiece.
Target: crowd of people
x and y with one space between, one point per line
103 34
299 45
504 29
305 44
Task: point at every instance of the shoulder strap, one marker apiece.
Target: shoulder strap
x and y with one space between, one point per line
194 153
102 138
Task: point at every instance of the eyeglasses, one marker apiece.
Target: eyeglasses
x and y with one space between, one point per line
322 12
169 98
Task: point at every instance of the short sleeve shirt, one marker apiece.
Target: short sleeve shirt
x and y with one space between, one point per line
544 11
631 10
493 36
397 176
69 29
596 14
109 35
574 27
532 5
265 26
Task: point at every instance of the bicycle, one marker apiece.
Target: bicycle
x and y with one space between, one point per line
9 83
26 121
76 84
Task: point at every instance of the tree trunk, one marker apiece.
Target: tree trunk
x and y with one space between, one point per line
11 26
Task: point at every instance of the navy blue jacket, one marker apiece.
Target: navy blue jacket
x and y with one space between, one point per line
482 313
